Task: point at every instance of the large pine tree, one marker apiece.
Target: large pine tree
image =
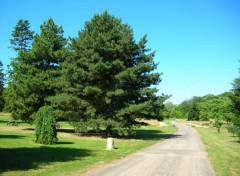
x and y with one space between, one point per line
34 72
107 78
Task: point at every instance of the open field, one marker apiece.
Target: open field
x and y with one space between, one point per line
223 151
72 155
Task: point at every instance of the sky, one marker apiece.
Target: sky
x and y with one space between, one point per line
197 42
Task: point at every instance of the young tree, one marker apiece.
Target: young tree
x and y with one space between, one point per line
45 131
34 73
107 77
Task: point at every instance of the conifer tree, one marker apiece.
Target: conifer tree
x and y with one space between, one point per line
22 36
107 78
35 72
21 42
2 80
236 103
45 131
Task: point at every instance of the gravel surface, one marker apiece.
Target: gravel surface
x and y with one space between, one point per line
181 155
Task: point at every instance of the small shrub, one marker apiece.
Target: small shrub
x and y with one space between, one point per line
233 129
45 131
218 124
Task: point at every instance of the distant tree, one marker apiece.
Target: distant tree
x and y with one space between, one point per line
34 73
187 109
217 107
22 36
193 112
45 130
167 109
107 78
218 124
2 80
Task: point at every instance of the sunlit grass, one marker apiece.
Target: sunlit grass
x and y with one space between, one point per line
223 150
72 155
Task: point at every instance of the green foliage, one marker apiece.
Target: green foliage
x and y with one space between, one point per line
218 124
233 129
72 155
236 102
34 72
22 36
214 107
2 80
106 77
45 130
193 112
186 110
205 108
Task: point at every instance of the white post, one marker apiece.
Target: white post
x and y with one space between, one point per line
110 143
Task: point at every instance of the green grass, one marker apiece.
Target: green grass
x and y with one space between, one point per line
223 150
72 155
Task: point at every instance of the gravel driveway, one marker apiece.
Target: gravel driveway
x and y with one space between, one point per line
181 155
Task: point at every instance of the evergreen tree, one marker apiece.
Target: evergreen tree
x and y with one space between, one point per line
34 73
2 80
236 106
22 36
107 78
21 41
236 101
45 131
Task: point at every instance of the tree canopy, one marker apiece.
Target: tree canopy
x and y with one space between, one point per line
103 79
107 77
34 71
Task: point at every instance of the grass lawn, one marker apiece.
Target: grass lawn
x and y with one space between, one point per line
223 151
72 155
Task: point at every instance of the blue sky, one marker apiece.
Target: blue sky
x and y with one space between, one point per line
197 42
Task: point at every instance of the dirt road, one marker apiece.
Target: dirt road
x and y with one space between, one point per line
182 155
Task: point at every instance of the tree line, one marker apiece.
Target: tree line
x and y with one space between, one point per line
101 79
217 109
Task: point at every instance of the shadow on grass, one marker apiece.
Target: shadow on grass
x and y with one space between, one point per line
33 158
65 142
4 121
152 135
11 136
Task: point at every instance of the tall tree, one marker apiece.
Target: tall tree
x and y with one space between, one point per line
2 80
236 102
35 72
107 77
21 42
22 36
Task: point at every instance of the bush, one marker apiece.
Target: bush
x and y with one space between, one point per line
218 124
233 129
45 131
